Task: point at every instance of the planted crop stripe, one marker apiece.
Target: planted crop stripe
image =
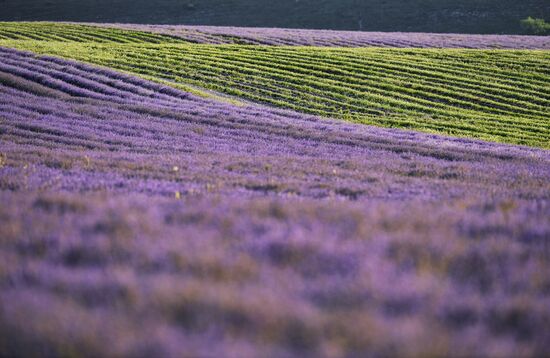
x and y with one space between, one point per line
80 33
296 37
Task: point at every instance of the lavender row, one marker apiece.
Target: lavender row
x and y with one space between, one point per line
299 37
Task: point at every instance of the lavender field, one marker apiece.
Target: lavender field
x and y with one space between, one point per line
140 220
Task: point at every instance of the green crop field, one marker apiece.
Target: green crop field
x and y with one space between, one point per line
497 95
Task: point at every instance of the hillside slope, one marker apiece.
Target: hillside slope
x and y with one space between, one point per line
465 16
497 95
